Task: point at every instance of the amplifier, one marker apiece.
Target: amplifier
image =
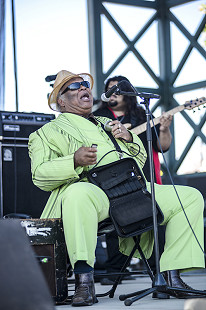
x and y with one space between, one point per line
196 180
22 283
47 239
18 194
19 125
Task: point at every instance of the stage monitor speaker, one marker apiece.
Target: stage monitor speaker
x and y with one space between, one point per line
18 193
22 284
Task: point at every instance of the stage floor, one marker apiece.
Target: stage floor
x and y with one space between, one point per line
196 280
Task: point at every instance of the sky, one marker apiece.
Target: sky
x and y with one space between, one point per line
53 35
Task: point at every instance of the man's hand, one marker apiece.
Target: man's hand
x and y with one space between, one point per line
119 131
85 156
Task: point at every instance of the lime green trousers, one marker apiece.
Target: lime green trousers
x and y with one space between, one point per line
84 205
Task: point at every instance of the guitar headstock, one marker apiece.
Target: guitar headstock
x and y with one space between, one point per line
194 103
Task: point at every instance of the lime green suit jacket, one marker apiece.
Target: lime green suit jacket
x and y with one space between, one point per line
52 148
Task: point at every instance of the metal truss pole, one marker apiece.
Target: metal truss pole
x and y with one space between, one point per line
165 70
167 78
95 45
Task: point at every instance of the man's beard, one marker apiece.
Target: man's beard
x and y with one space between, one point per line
112 104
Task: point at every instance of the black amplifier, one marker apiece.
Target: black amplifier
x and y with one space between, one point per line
18 194
47 239
19 125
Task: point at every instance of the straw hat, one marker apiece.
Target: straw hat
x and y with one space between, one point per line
63 77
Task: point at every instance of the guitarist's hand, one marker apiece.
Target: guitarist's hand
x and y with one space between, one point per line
165 121
165 136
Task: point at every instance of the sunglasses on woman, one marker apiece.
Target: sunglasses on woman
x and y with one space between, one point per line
76 85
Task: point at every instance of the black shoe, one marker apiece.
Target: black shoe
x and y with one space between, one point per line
161 295
84 290
173 279
107 281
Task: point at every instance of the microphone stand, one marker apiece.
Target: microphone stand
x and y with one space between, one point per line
159 283
159 280
141 95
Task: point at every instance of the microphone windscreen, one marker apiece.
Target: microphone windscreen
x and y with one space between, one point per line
107 127
104 98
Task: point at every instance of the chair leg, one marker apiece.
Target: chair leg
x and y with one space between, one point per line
149 270
121 274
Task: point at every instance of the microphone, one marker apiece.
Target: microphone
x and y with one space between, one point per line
105 96
107 127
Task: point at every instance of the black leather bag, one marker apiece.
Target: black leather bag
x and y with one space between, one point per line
130 202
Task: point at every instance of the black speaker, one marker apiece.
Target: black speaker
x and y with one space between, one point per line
18 194
47 239
196 180
19 125
22 284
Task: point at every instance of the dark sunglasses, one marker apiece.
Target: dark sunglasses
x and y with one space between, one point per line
76 85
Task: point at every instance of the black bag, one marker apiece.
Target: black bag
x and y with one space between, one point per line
130 202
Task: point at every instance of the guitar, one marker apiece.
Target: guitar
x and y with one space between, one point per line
189 105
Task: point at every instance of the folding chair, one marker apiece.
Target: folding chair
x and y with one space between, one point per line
107 226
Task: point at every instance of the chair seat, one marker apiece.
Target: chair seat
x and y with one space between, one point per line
106 226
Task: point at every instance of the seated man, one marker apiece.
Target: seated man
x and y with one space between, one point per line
61 151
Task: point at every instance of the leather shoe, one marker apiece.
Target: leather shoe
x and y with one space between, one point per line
84 290
160 295
173 279
107 281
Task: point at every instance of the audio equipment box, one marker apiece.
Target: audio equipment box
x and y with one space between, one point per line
47 239
22 283
18 194
19 125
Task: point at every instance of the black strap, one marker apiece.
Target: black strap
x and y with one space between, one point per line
117 147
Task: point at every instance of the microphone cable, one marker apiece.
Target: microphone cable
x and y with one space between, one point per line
116 149
112 152
167 168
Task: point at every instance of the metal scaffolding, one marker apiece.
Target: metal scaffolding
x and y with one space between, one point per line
166 78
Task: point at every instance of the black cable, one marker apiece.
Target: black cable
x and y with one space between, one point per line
118 149
15 168
114 151
14 54
167 168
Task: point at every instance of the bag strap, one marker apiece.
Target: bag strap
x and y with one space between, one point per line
116 145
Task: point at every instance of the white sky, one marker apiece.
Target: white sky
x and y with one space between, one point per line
53 35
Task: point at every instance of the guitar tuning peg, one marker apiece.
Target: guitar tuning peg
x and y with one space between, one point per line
199 108
204 106
194 111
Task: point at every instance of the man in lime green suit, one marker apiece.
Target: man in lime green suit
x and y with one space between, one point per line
61 151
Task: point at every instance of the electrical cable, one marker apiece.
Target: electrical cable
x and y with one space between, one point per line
116 151
167 168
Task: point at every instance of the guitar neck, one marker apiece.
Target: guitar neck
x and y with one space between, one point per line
143 127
